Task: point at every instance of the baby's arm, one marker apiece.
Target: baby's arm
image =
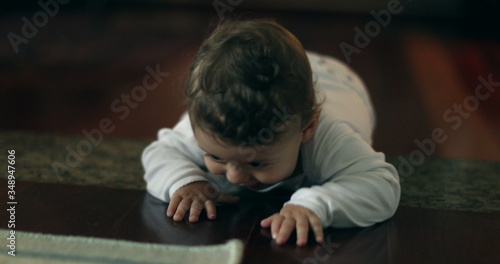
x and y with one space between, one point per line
356 186
173 174
195 197
172 161
294 217
352 186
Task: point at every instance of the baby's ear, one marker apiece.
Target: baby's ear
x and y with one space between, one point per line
309 130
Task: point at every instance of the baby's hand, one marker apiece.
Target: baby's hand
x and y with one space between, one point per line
293 217
195 197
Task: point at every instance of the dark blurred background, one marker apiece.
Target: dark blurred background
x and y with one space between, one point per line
67 66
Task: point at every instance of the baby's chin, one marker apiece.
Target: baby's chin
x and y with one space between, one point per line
257 185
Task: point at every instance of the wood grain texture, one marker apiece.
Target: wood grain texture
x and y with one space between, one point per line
413 235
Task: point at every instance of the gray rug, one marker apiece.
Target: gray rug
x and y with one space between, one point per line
33 248
438 183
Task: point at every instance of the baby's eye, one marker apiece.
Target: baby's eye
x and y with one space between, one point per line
257 164
213 157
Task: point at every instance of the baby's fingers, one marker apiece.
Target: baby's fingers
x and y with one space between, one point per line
317 228
172 206
302 227
182 209
211 211
283 229
195 211
268 221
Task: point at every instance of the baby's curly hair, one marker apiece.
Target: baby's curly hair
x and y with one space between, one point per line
243 75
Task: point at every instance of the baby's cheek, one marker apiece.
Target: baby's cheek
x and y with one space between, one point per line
271 176
281 173
214 167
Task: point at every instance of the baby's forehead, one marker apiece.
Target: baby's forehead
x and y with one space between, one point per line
265 138
266 135
209 141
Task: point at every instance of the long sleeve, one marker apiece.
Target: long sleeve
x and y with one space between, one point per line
351 184
346 183
172 161
354 186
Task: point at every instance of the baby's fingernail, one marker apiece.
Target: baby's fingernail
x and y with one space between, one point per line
275 236
319 239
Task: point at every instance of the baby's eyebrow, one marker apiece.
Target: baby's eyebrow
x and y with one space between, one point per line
261 160
208 153
264 161
215 156
268 161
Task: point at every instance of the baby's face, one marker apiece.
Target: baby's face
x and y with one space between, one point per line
253 167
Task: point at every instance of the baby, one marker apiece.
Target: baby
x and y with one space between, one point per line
264 114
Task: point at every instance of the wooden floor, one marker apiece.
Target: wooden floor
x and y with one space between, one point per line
422 74
412 235
434 84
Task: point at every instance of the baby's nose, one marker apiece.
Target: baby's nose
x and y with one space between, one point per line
235 173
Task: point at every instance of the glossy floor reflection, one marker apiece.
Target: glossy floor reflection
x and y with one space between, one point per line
412 235
434 84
